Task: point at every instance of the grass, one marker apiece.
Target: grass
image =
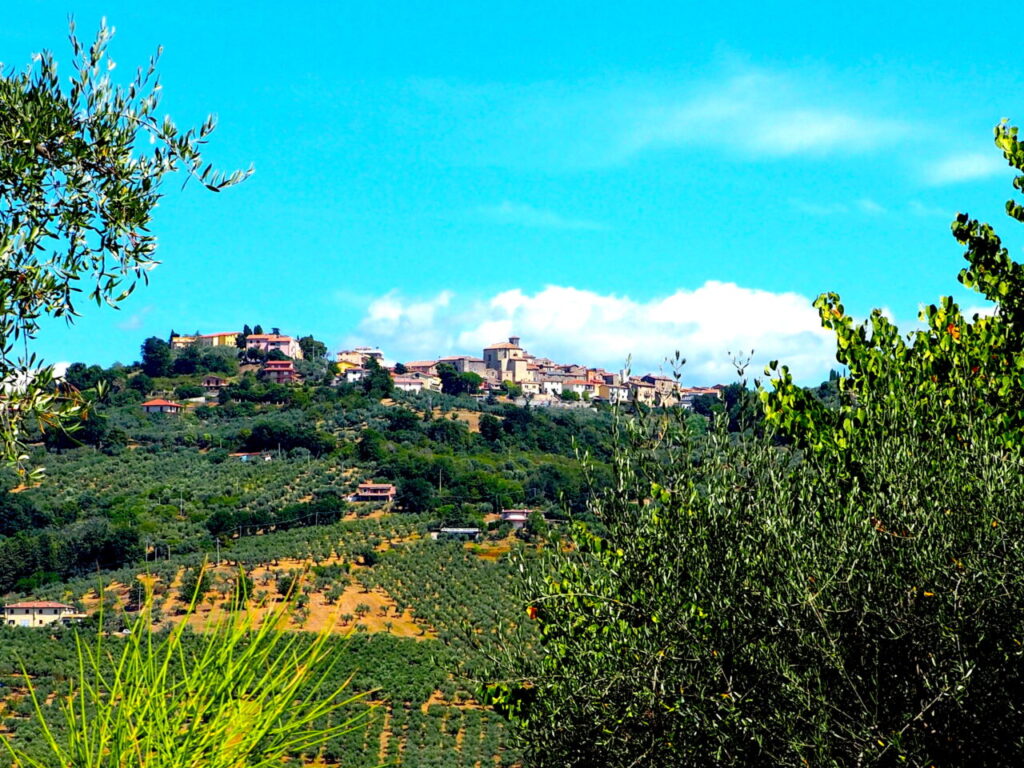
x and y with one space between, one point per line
233 701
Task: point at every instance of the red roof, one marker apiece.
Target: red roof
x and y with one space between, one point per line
158 401
278 364
39 604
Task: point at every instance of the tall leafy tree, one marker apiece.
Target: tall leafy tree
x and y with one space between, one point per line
78 182
312 349
377 382
156 357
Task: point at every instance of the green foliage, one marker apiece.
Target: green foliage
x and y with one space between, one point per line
75 205
185 391
377 383
455 383
975 366
853 597
156 357
195 583
312 349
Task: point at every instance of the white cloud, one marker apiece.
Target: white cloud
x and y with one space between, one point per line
572 325
966 166
525 215
923 209
765 114
739 110
135 321
864 205
867 205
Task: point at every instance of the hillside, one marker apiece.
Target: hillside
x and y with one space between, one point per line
256 480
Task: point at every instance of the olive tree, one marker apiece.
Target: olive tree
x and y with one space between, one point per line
847 590
81 166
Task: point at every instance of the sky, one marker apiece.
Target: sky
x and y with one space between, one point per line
604 180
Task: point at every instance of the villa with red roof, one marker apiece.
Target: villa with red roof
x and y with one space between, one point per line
157 405
375 492
279 371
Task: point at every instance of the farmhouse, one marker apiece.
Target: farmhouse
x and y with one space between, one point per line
161 406
375 492
38 613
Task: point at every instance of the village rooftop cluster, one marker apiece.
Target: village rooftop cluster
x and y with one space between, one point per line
537 380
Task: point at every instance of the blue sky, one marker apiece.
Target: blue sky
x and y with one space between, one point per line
599 178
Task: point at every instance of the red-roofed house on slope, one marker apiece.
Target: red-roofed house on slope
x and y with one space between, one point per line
279 371
268 342
38 613
375 492
161 406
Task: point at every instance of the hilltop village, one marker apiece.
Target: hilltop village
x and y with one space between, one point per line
505 368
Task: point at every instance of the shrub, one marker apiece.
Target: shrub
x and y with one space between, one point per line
237 701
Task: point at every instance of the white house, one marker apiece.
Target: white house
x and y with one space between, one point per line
409 384
38 613
157 405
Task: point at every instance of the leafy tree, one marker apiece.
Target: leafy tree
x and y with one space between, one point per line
851 598
82 377
141 383
195 583
312 349
88 427
400 368
455 383
371 446
490 428
187 362
80 183
156 357
415 494
287 583
19 512
377 382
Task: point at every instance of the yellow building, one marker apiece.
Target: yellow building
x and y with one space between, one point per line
180 342
226 339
